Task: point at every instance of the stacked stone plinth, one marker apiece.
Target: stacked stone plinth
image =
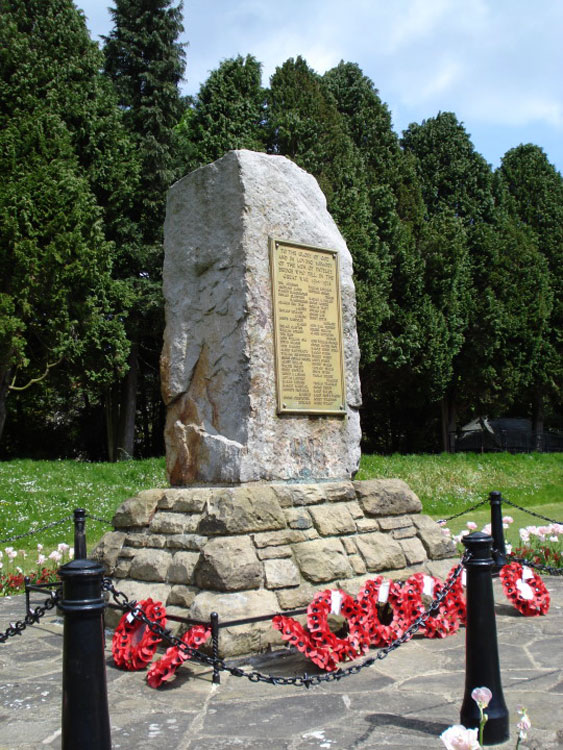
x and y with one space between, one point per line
263 548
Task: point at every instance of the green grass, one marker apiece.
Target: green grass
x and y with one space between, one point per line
35 493
449 483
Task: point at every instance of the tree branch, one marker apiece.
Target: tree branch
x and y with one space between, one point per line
14 387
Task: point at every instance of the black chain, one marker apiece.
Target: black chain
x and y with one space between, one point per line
101 520
17 628
304 680
538 566
52 526
39 530
531 512
463 512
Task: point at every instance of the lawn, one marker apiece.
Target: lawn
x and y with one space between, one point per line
36 493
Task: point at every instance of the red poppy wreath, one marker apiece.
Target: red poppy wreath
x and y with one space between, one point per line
319 644
337 602
165 668
134 644
295 634
446 621
387 611
525 589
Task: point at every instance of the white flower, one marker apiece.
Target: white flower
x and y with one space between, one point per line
507 519
460 738
12 553
39 547
63 547
471 525
55 556
41 559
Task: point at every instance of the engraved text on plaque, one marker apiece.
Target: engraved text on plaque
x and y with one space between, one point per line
307 328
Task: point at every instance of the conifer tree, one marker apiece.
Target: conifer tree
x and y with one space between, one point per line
535 188
60 164
228 114
456 183
145 62
304 124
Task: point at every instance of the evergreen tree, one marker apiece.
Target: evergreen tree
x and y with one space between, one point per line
227 114
62 155
145 62
453 176
535 188
304 124
456 183
57 298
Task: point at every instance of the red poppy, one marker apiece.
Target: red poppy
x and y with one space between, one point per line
134 644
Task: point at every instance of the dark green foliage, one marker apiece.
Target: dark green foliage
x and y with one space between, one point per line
453 176
228 114
304 123
60 308
145 63
535 190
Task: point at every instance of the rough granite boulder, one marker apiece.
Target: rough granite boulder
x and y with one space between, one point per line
217 364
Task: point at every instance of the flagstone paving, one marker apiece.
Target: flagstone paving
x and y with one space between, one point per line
404 701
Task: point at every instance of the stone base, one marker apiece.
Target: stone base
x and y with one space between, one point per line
263 548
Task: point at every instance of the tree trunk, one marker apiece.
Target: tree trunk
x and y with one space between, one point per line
5 374
128 408
112 420
538 418
448 424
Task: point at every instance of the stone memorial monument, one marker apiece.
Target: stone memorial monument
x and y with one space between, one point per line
260 379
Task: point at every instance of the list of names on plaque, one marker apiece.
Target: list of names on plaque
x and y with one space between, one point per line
308 329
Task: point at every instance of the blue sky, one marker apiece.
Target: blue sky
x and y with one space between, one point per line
498 64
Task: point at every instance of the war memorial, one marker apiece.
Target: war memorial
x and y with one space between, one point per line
260 379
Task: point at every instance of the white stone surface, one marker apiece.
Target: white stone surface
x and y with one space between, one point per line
217 364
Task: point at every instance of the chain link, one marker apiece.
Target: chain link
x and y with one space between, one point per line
39 530
17 628
304 680
52 526
101 520
463 512
530 512
538 566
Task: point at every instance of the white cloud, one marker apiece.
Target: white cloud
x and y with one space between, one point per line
492 62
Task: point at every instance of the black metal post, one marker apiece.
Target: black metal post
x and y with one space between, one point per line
482 668
79 534
214 617
497 531
85 713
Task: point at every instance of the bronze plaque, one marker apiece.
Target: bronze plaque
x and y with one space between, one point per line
307 329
